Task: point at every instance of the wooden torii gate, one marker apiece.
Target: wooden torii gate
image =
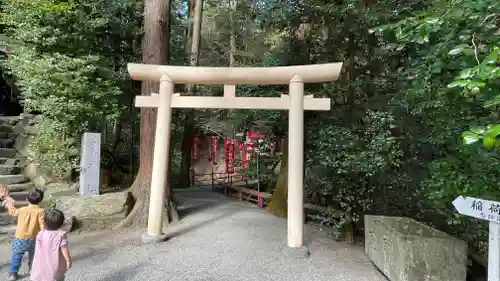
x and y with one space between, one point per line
295 103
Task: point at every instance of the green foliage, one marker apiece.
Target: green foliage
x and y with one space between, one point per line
53 148
476 178
51 203
451 69
74 90
488 134
472 172
70 68
348 164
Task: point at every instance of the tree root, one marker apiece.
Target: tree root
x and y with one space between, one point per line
278 203
349 233
139 202
171 215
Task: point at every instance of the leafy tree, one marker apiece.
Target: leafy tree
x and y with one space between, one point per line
451 55
70 67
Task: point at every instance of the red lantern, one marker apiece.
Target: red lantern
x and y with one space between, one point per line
196 148
215 149
229 148
240 150
210 147
226 154
244 163
255 135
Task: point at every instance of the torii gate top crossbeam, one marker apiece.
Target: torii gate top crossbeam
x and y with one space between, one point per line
315 73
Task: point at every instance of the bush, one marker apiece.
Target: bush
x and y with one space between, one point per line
470 171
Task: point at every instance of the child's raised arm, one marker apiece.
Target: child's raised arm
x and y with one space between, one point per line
4 191
11 206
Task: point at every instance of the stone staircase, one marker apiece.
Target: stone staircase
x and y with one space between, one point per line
11 172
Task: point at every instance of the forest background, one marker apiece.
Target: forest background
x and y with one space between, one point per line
419 78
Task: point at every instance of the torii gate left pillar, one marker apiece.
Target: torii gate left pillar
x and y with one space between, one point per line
295 102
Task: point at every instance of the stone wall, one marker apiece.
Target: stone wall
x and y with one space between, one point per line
19 128
83 213
26 127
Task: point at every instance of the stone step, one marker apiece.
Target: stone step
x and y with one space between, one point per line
7 229
7 143
7 152
3 160
17 187
7 221
8 136
9 161
19 196
12 179
9 120
20 204
9 169
6 128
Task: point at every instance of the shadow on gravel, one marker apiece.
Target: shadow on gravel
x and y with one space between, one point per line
197 207
93 253
125 273
195 226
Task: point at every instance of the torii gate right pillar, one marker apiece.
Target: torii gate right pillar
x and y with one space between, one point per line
295 207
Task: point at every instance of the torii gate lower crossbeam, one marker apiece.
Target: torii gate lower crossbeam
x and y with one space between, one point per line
295 103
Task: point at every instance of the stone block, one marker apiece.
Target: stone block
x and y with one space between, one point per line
97 212
24 150
39 182
58 189
24 127
407 250
31 170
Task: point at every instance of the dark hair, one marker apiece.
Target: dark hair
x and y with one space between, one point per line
35 196
54 219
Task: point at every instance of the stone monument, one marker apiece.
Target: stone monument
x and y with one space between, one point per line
407 250
90 164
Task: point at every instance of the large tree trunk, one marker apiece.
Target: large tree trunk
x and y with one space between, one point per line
155 51
193 46
278 203
117 132
232 38
232 50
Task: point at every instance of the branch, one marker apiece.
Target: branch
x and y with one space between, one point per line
475 48
213 131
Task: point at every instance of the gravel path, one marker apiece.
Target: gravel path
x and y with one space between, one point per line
218 239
